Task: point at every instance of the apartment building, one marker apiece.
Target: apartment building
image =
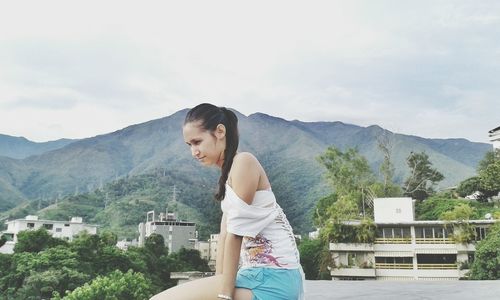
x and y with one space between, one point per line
405 249
494 135
176 233
59 229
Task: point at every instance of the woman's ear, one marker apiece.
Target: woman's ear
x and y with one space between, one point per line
220 131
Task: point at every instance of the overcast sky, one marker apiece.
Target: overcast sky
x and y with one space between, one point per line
75 69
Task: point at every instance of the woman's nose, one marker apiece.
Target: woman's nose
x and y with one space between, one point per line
194 152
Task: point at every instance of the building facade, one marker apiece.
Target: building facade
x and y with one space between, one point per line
176 233
58 229
405 249
494 135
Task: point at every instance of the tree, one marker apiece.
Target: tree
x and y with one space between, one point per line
348 171
385 145
420 184
349 174
486 265
36 241
3 240
472 185
155 243
321 215
490 177
458 218
489 158
116 285
487 183
311 252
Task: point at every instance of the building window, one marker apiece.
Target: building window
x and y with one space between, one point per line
436 258
351 259
66 225
9 236
390 233
480 233
48 226
30 225
58 229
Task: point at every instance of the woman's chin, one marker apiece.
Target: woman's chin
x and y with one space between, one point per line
205 163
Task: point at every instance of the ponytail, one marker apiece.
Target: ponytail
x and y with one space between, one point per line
210 116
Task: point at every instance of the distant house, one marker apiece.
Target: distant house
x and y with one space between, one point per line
405 249
495 137
59 229
176 233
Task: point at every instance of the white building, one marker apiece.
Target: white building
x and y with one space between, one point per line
495 137
204 248
176 233
58 229
124 244
405 249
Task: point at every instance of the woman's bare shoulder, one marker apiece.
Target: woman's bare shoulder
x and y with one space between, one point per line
245 157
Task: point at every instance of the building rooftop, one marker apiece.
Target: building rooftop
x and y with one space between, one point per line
494 130
407 290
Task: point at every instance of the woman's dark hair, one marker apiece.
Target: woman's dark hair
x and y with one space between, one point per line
209 117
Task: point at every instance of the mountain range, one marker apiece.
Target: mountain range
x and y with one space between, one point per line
288 150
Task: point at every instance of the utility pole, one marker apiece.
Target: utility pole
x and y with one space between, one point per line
174 194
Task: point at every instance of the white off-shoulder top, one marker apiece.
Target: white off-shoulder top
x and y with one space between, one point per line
268 239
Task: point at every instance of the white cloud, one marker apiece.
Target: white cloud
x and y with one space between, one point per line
402 65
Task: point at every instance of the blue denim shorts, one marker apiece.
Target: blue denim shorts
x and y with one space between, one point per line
271 283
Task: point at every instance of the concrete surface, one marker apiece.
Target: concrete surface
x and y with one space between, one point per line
403 290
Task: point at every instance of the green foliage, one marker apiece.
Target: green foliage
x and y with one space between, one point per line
348 171
3 240
469 186
190 260
386 190
490 158
458 219
461 212
362 232
344 209
420 184
155 244
311 253
321 215
63 268
488 180
355 188
351 178
490 177
486 265
35 241
116 285
366 231
385 145
432 208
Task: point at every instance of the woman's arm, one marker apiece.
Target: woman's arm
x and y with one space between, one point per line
244 181
230 263
220 246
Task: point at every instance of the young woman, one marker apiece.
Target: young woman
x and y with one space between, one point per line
257 257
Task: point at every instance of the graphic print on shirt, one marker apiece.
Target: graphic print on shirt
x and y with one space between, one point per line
258 251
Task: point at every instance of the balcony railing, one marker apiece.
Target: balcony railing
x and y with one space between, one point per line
393 240
393 266
437 266
434 241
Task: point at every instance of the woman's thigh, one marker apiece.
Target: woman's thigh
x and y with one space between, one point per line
201 289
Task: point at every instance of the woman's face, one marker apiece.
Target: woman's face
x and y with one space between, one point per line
207 147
